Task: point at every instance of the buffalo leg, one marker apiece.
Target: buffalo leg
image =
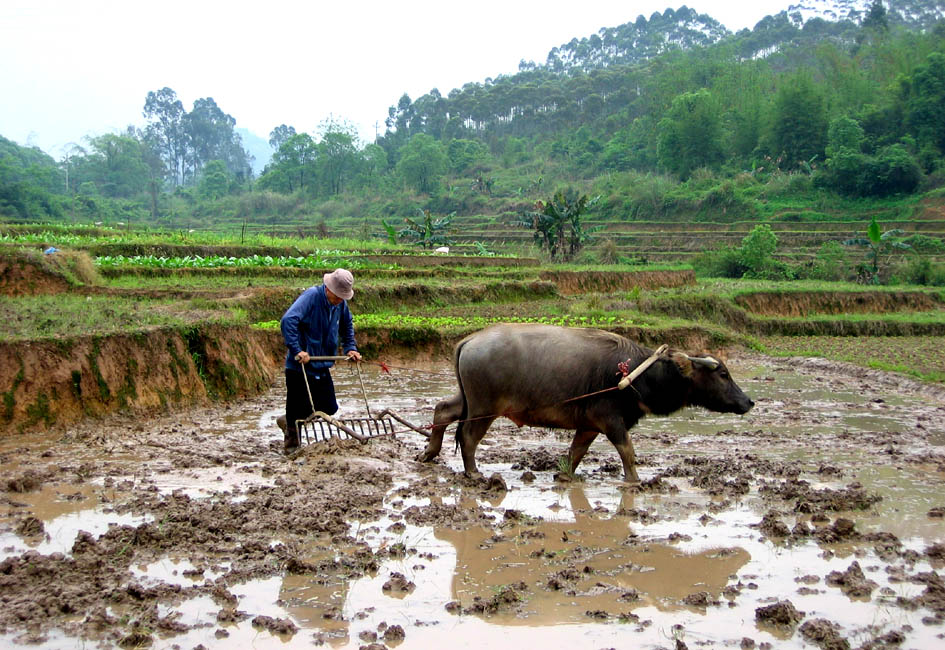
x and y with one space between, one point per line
582 440
621 441
472 432
445 413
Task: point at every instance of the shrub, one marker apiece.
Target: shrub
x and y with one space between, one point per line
830 263
925 244
757 250
722 262
921 270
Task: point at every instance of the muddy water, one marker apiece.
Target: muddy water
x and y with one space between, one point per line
582 563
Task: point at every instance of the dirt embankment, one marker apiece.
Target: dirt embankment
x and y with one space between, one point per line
802 303
20 277
54 382
573 282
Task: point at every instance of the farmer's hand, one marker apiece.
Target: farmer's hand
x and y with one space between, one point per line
354 355
302 357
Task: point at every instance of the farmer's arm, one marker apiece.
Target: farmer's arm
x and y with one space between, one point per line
291 320
346 329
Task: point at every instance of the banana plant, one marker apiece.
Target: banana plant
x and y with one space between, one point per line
878 243
428 232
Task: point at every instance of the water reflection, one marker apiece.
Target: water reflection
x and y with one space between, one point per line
594 562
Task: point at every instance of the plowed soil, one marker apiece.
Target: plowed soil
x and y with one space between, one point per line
816 519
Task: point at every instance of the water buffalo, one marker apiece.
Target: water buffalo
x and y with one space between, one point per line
531 373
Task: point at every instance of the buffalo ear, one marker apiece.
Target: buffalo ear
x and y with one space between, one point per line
682 361
709 363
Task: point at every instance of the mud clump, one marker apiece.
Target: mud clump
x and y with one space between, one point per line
825 634
280 626
936 551
28 481
538 460
394 634
839 531
782 614
700 599
810 500
852 582
398 583
507 598
772 526
933 597
30 527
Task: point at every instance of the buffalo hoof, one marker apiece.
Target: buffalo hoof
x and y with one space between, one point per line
425 457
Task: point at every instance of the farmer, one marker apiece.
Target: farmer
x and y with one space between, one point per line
310 328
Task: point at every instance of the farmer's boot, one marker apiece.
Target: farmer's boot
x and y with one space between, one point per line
290 434
291 440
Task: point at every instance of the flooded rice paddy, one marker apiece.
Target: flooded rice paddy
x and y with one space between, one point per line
814 520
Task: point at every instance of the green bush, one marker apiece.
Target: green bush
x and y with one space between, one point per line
921 270
830 263
722 262
925 244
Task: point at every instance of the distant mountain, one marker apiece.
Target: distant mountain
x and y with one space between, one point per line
256 147
642 39
684 28
916 14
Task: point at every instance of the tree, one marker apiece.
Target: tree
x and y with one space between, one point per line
463 153
690 134
558 223
166 114
875 18
925 106
799 123
211 135
337 156
293 166
116 165
279 135
845 160
422 162
151 155
214 181
878 245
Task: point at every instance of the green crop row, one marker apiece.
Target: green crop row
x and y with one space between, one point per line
317 260
444 322
47 237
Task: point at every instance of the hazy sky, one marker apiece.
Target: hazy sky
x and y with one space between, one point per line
73 68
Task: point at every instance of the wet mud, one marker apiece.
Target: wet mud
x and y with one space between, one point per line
814 521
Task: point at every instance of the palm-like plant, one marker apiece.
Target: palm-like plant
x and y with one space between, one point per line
879 244
558 223
428 232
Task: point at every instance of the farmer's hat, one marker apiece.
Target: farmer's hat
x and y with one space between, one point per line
341 283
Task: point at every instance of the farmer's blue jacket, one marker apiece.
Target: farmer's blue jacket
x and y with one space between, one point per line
313 324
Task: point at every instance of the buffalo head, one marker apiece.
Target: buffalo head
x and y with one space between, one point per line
714 388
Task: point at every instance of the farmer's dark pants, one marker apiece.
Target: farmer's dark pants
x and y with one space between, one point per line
297 406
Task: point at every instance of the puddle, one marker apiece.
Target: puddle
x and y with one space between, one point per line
61 532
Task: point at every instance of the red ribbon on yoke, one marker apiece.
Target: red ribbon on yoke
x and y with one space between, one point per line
623 368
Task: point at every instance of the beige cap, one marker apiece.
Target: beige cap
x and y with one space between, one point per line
341 283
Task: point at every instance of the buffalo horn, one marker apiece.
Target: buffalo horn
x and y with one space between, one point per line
706 362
